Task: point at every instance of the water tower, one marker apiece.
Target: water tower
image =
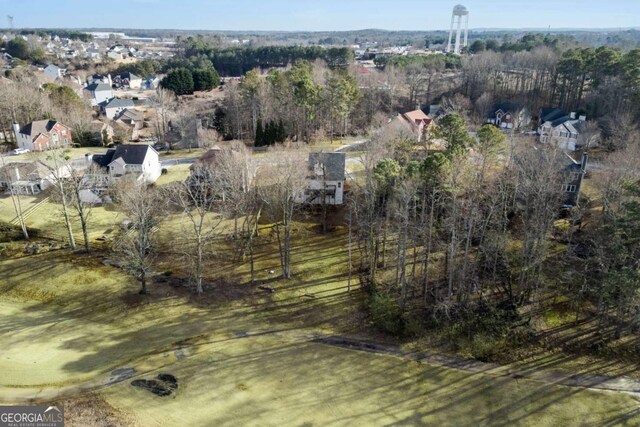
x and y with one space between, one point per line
459 13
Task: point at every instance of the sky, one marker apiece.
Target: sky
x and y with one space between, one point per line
318 15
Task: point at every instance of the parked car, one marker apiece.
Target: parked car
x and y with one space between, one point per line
21 151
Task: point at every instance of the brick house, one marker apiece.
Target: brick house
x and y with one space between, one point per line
42 135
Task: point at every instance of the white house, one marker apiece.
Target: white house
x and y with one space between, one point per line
563 131
54 72
138 160
99 93
115 106
327 176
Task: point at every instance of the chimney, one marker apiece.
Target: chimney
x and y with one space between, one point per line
585 159
573 115
16 130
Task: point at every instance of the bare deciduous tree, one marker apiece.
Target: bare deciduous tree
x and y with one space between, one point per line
137 247
282 186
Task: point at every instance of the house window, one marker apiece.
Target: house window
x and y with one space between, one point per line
568 188
66 141
339 184
64 132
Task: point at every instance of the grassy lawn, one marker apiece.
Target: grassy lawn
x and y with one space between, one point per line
265 381
174 173
181 153
240 354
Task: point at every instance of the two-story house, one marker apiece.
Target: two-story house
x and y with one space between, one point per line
140 161
99 93
509 115
114 107
42 135
416 122
128 79
574 173
560 129
327 177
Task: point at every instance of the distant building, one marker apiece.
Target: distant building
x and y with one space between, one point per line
99 93
509 115
54 72
43 135
128 80
416 122
560 129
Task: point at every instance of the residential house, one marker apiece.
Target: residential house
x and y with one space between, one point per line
115 106
101 131
99 93
129 80
93 53
117 56
140 161
54 72
509 115
42 135
151 83
575 172
327 177
100 78
561 130
416 122
132 119
25 177
71 54
435 111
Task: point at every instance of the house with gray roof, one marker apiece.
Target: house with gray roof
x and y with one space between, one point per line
326 178
139 160
115 106
561 129
135 161
99 93
54 72
25 177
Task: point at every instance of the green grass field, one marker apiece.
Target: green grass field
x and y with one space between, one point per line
242 355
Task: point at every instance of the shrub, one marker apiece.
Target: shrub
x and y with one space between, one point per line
164 171
386 314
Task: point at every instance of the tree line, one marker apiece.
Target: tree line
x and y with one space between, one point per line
237 61
302 101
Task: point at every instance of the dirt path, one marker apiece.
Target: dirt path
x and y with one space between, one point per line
184 349
592 382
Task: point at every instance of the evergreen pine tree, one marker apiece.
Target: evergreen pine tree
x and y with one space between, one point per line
259 140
